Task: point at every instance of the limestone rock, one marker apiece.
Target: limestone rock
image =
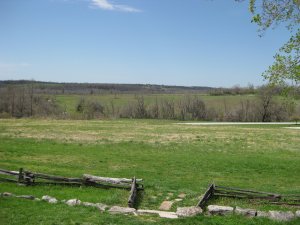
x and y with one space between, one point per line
281 216
262 214
182 195
49 199
73 202
89 204
166 205
219 210
30 197
169 215
101 207
53 201
297 213
7 194
162 214
121 210
148 211
246 212
188 211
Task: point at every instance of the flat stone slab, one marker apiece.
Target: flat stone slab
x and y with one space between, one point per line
101 207
246 212
121 210
7 194
166 205
73 202
262 214
188 211
281 216
182 195
162 214
219 210
168 215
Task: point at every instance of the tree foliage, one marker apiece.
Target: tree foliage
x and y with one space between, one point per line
269 14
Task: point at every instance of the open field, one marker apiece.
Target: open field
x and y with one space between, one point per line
171 158
69 101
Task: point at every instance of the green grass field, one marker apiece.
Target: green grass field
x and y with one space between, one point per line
69 101
171 158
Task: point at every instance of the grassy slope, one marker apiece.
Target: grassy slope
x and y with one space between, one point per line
171 158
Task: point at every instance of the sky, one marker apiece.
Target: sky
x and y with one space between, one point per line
171 42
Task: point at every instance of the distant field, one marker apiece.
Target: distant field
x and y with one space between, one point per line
218 102
171 158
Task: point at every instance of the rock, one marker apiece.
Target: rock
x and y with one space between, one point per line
30 197
49 199
148 211
88 204
121 210
53 201
73 202
219 210
169 215
188 211
182 195
281 216
245 212
7 194
166 205
178 199
162 214
262 214
101 207
297 213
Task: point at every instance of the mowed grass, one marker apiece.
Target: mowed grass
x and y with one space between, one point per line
171 158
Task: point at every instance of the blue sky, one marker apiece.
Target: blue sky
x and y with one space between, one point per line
172 42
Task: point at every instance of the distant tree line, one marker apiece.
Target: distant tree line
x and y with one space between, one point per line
24 101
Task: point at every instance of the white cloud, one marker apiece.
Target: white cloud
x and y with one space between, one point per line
106 5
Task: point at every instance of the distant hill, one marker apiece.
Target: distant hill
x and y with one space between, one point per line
98 88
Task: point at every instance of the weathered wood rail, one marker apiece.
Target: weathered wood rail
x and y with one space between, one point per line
133 193
207 195
215 191
25 177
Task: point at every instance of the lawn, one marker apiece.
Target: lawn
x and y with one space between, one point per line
171 158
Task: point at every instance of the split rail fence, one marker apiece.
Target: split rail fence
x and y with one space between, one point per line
215 191
25 177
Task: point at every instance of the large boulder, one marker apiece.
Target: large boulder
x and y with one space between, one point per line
188 211
246 212
121 210
281 216
219 210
